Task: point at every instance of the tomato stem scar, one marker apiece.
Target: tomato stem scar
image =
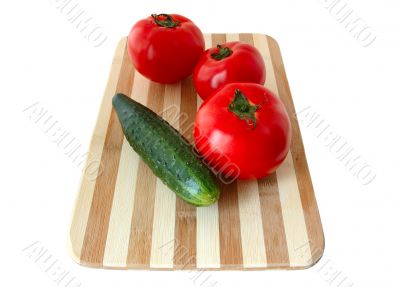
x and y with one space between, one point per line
241 107
223 52
167 22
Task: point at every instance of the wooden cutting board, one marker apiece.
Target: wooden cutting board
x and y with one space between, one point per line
126 218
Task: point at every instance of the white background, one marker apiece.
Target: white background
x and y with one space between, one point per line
354 88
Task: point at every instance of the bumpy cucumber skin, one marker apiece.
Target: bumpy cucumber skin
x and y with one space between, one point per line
166 152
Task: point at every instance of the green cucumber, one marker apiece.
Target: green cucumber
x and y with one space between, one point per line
166 152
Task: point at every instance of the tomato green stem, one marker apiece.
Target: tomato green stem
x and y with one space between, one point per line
223 52
167 20
241 107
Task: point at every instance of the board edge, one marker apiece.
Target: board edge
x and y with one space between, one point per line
315 257
72 249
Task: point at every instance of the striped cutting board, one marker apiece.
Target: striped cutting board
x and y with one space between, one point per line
126 218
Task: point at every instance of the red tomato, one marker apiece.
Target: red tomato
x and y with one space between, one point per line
233 62
243 131
165 48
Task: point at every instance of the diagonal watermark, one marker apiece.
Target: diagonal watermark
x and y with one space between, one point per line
338 146
81 21
49 264
64 140
328 269
342 12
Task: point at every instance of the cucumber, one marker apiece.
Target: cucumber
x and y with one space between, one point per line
166 152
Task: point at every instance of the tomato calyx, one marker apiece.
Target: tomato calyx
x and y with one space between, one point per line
223 52
242 108
167 22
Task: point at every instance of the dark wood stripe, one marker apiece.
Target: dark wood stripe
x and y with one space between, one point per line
185 220
218 39
143 210
246 38
272 219
228 212
99 215
229 227
309 203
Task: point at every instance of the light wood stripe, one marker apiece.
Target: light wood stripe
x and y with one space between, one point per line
163 235
274 232
207 221
228 209
143 210
208 237
208 41
311 214
97 226
119 227
140 89
208 250
185 221
163 239
87 185
252 233
232 37
292 210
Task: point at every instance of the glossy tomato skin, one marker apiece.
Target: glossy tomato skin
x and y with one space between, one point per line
225 140
162 54
245 64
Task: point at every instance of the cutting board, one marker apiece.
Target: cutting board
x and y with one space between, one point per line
127 218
